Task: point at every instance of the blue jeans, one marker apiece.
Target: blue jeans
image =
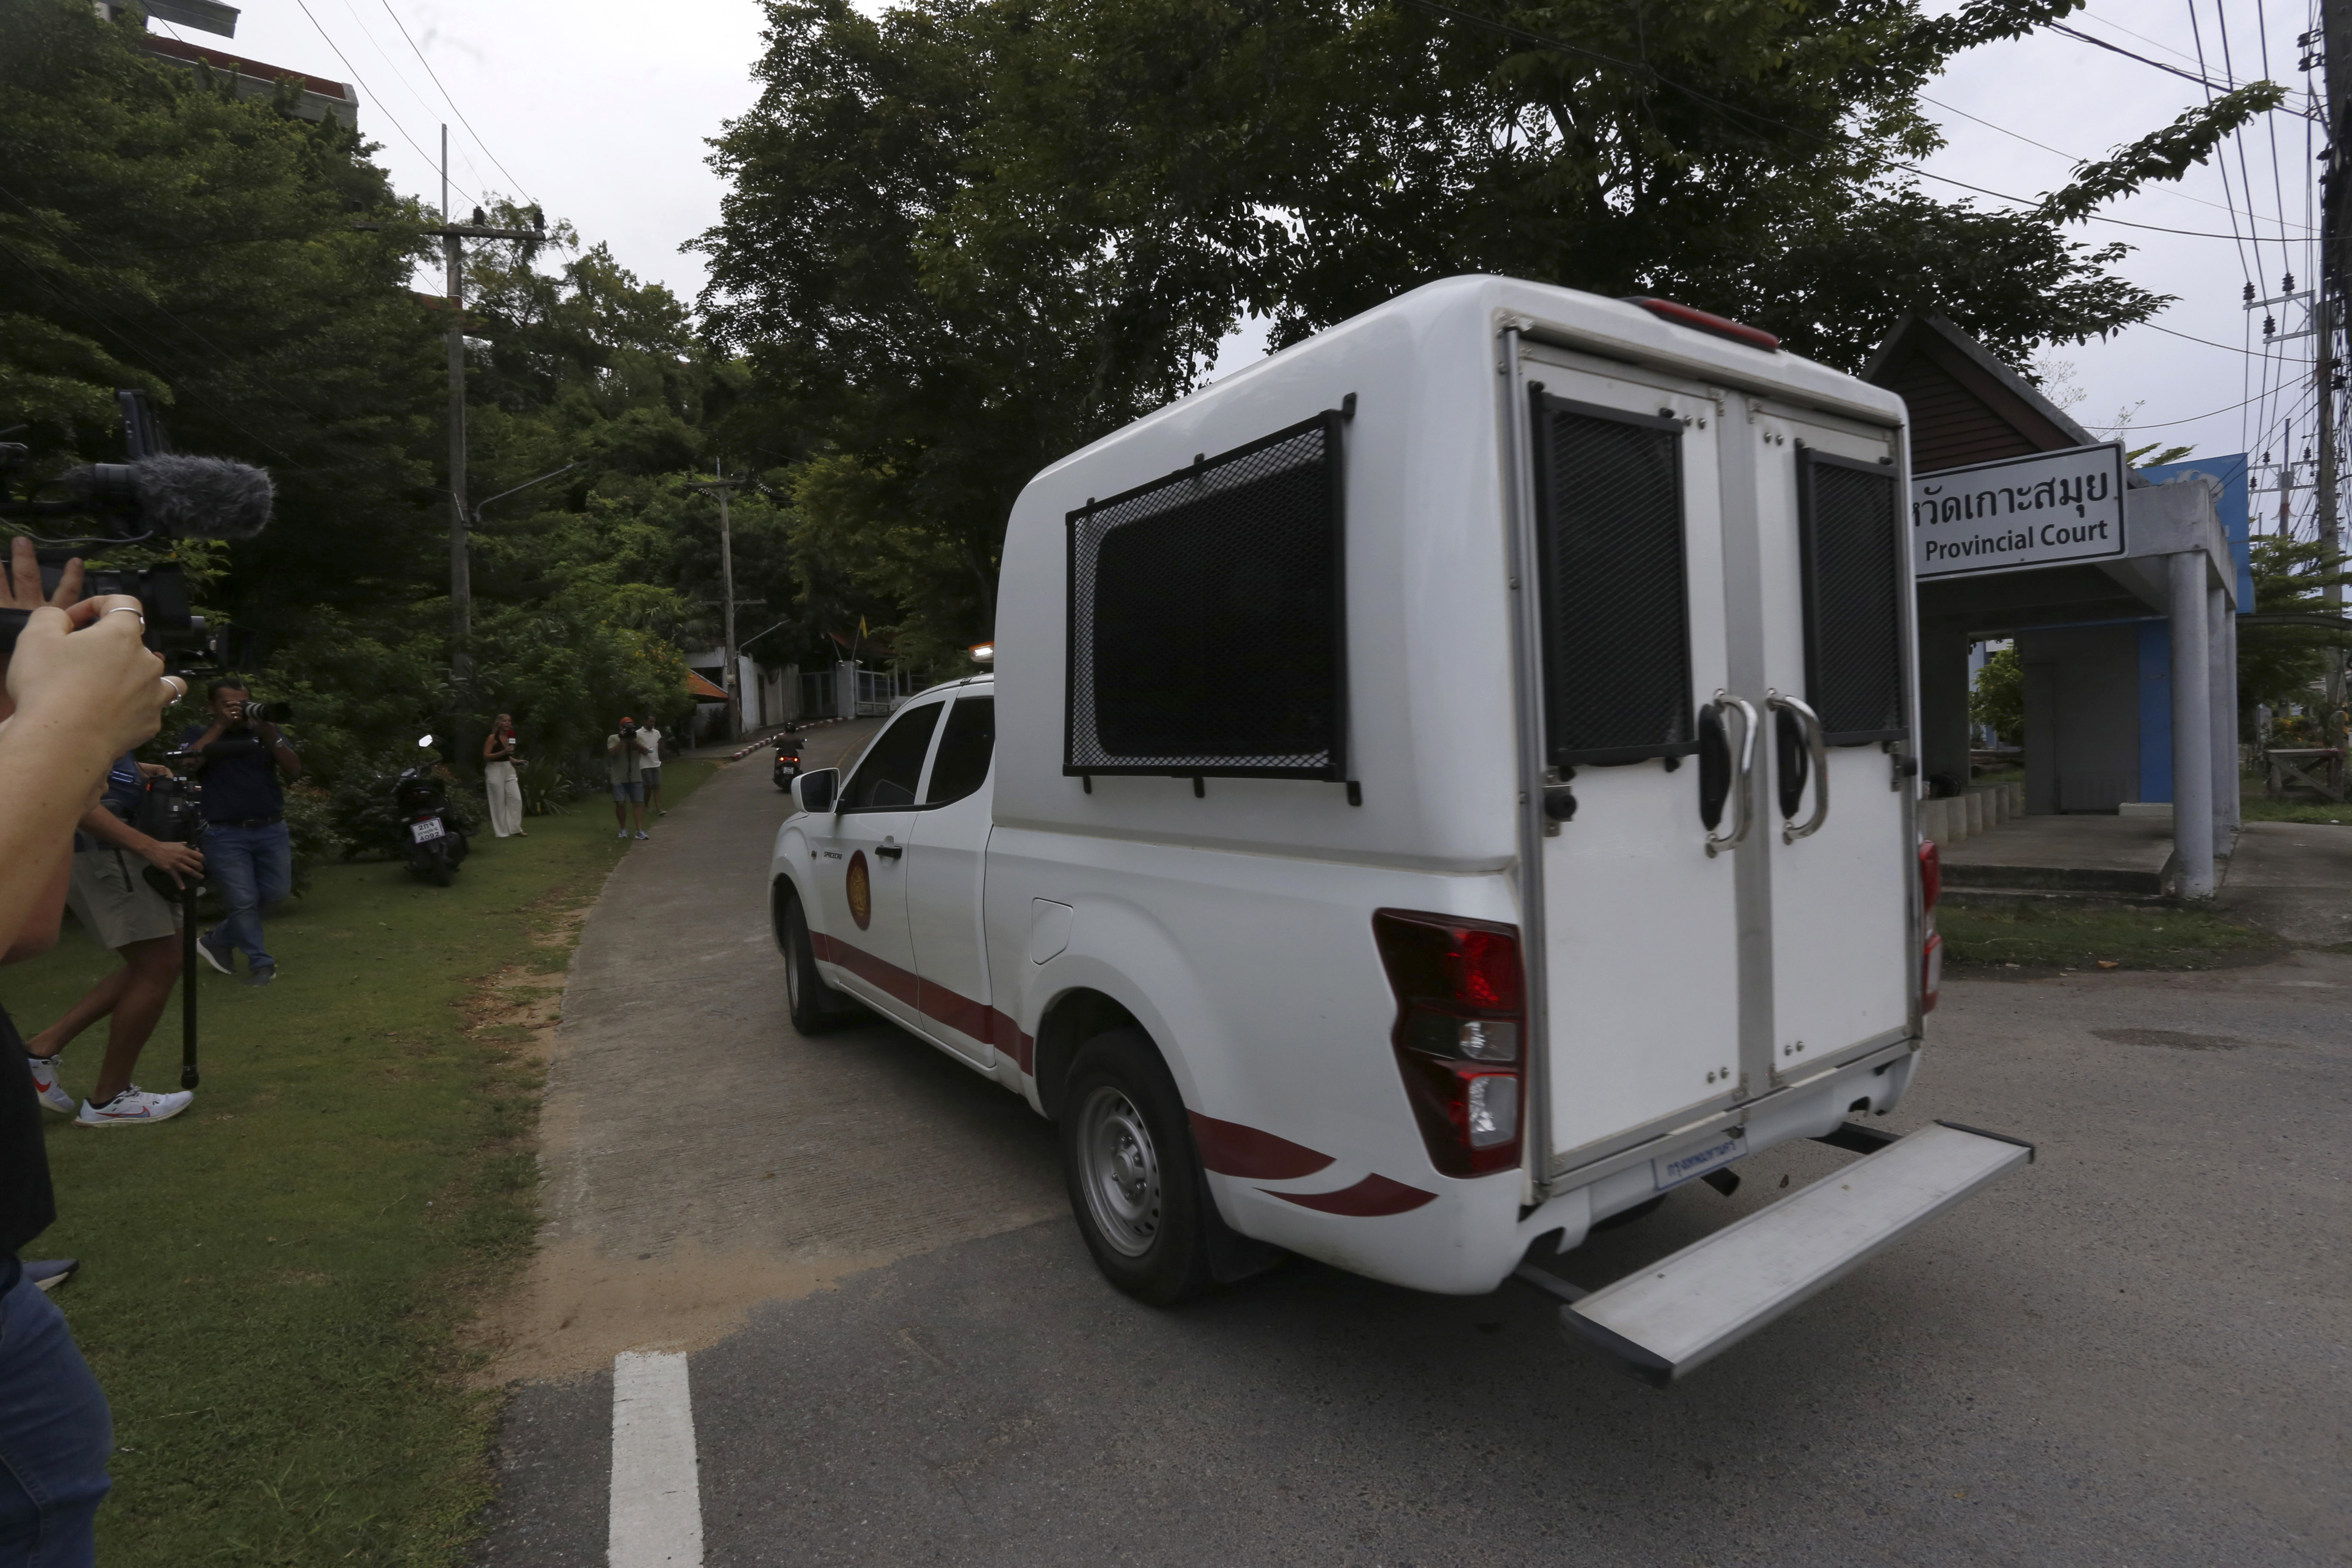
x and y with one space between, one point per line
252 868
55 1436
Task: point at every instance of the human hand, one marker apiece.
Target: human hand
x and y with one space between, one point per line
20 579
85 669
153 771
175 860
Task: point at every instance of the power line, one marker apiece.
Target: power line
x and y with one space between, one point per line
2204 82
451 101
396 125
2078 158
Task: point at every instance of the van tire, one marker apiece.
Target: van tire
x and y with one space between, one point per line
816 1006
1135 1181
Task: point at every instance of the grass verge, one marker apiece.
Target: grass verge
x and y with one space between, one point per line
270 1282
2042 940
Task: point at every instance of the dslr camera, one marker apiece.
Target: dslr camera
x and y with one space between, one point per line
255 712
628 728
157 497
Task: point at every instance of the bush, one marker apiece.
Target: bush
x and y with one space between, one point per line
311 823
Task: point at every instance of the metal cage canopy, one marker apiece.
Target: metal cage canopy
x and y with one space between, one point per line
1207 617
1613 592
1852 538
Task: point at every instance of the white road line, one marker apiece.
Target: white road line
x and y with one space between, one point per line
656 1521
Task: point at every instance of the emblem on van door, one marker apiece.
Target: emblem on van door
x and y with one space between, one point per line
861 893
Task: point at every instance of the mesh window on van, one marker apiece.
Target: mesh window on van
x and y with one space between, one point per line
1851 530
885 779
1614 602
1207 633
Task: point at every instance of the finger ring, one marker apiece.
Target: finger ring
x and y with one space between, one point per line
173 684
127 610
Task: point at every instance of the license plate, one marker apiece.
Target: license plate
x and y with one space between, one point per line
1674 1170
426 831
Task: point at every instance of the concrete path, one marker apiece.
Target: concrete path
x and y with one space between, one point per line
2294 878
2081 854
2130 1353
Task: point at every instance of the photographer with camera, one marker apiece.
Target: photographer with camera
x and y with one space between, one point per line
240 757
122 908
624 760
81 688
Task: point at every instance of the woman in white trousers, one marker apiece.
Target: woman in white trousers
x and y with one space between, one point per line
499 780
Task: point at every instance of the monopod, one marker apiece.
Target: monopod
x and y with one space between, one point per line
188 985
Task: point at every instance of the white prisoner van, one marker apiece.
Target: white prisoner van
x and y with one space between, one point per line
1438 789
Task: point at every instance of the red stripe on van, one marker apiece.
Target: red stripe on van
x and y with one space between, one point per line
1372 1197
932 1000
1231 1149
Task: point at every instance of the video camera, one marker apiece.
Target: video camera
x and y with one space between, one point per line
168 813
158 495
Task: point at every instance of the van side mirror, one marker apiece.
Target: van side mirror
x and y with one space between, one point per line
814 791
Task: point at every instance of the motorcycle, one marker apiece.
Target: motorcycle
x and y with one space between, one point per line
430 846
788 761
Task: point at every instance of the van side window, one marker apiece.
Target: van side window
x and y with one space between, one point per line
1614 597
1207 632
965 748
885 779
1850 532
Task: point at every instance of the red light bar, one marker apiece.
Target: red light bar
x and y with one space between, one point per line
1700 320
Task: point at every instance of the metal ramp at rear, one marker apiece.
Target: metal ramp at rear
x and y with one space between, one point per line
1682 1312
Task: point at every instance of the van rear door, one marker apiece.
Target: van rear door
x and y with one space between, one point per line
1717 692
1836 858
1636 750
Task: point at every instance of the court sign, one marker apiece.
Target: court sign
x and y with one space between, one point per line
2045 509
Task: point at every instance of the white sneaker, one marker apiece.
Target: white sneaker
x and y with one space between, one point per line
44 1084
622 834
134 1105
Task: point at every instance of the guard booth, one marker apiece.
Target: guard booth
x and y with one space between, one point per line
2121 589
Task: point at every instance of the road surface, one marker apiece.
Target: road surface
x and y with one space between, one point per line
896 1351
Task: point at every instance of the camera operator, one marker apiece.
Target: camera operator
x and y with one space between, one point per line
122 909
81 688
624 760
247 851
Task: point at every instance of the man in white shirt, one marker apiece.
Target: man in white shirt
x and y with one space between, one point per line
623 759
649 769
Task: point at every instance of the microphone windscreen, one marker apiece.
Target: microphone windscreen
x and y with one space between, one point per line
203 498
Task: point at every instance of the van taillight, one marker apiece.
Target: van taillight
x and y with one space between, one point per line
1931 875
1460 1034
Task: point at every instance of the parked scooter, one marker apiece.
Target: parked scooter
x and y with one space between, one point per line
430 846
788 760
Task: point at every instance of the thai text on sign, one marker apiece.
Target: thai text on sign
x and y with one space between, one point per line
2038 510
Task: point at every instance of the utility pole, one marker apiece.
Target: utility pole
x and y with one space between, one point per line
2333 39
453 255
723 487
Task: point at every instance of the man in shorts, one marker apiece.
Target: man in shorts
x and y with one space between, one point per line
625 755
112 898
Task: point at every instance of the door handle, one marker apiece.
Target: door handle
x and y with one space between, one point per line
890 851
1741 784
1817 755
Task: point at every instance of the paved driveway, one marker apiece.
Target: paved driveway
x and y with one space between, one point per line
2133 1353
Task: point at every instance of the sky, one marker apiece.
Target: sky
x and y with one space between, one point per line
601 112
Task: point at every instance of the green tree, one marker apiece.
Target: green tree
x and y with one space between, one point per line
963 237
1998 698
2282 663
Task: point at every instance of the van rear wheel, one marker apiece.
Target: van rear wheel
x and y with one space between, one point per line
1135 1181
